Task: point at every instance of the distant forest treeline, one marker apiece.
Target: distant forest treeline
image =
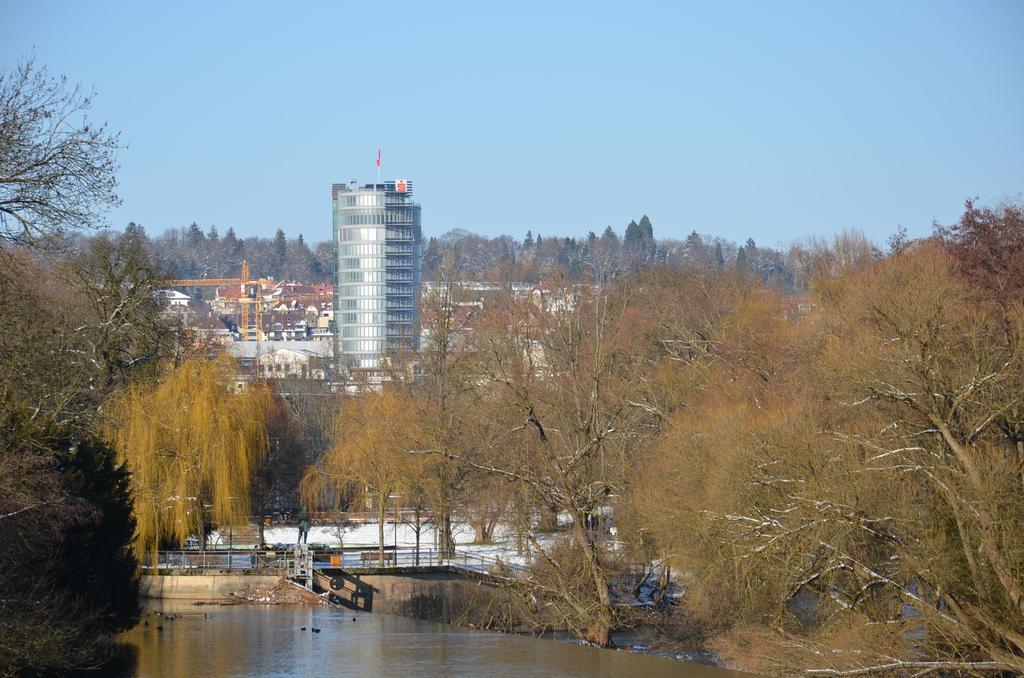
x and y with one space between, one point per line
192 252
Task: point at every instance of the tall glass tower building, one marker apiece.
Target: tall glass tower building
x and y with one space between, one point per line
377 242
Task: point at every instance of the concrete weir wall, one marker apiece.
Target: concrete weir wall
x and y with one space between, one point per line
441 596
202 586
446 597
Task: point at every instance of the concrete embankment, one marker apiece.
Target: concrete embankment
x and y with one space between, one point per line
431 594
439 595
216 587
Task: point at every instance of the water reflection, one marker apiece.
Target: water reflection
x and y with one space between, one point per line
190 640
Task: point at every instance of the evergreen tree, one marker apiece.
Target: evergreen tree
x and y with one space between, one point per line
230 262
528 240
568 256
133 230
280 250
694 242
299 261
636 239
194 237
432 255
646 229
719 257
633 233
100 544
212 234
280 247
67 570
609 235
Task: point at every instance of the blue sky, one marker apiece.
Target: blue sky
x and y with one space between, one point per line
774 121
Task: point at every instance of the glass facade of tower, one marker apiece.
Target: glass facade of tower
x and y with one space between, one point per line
377 241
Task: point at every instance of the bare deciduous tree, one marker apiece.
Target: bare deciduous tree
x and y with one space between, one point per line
57 169
844 478
553 408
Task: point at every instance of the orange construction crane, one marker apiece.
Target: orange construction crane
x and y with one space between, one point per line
251 293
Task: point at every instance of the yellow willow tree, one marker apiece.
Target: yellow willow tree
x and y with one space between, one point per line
375 433
192 444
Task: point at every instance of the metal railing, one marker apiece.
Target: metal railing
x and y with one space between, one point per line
465 560
279 562
491 565
276 561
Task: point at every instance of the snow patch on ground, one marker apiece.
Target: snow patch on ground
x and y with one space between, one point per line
364 534
401 535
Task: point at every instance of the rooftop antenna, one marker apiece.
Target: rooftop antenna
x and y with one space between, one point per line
378 165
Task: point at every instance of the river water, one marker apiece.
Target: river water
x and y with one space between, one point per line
244 640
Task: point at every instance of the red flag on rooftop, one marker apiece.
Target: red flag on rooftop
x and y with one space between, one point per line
378 158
